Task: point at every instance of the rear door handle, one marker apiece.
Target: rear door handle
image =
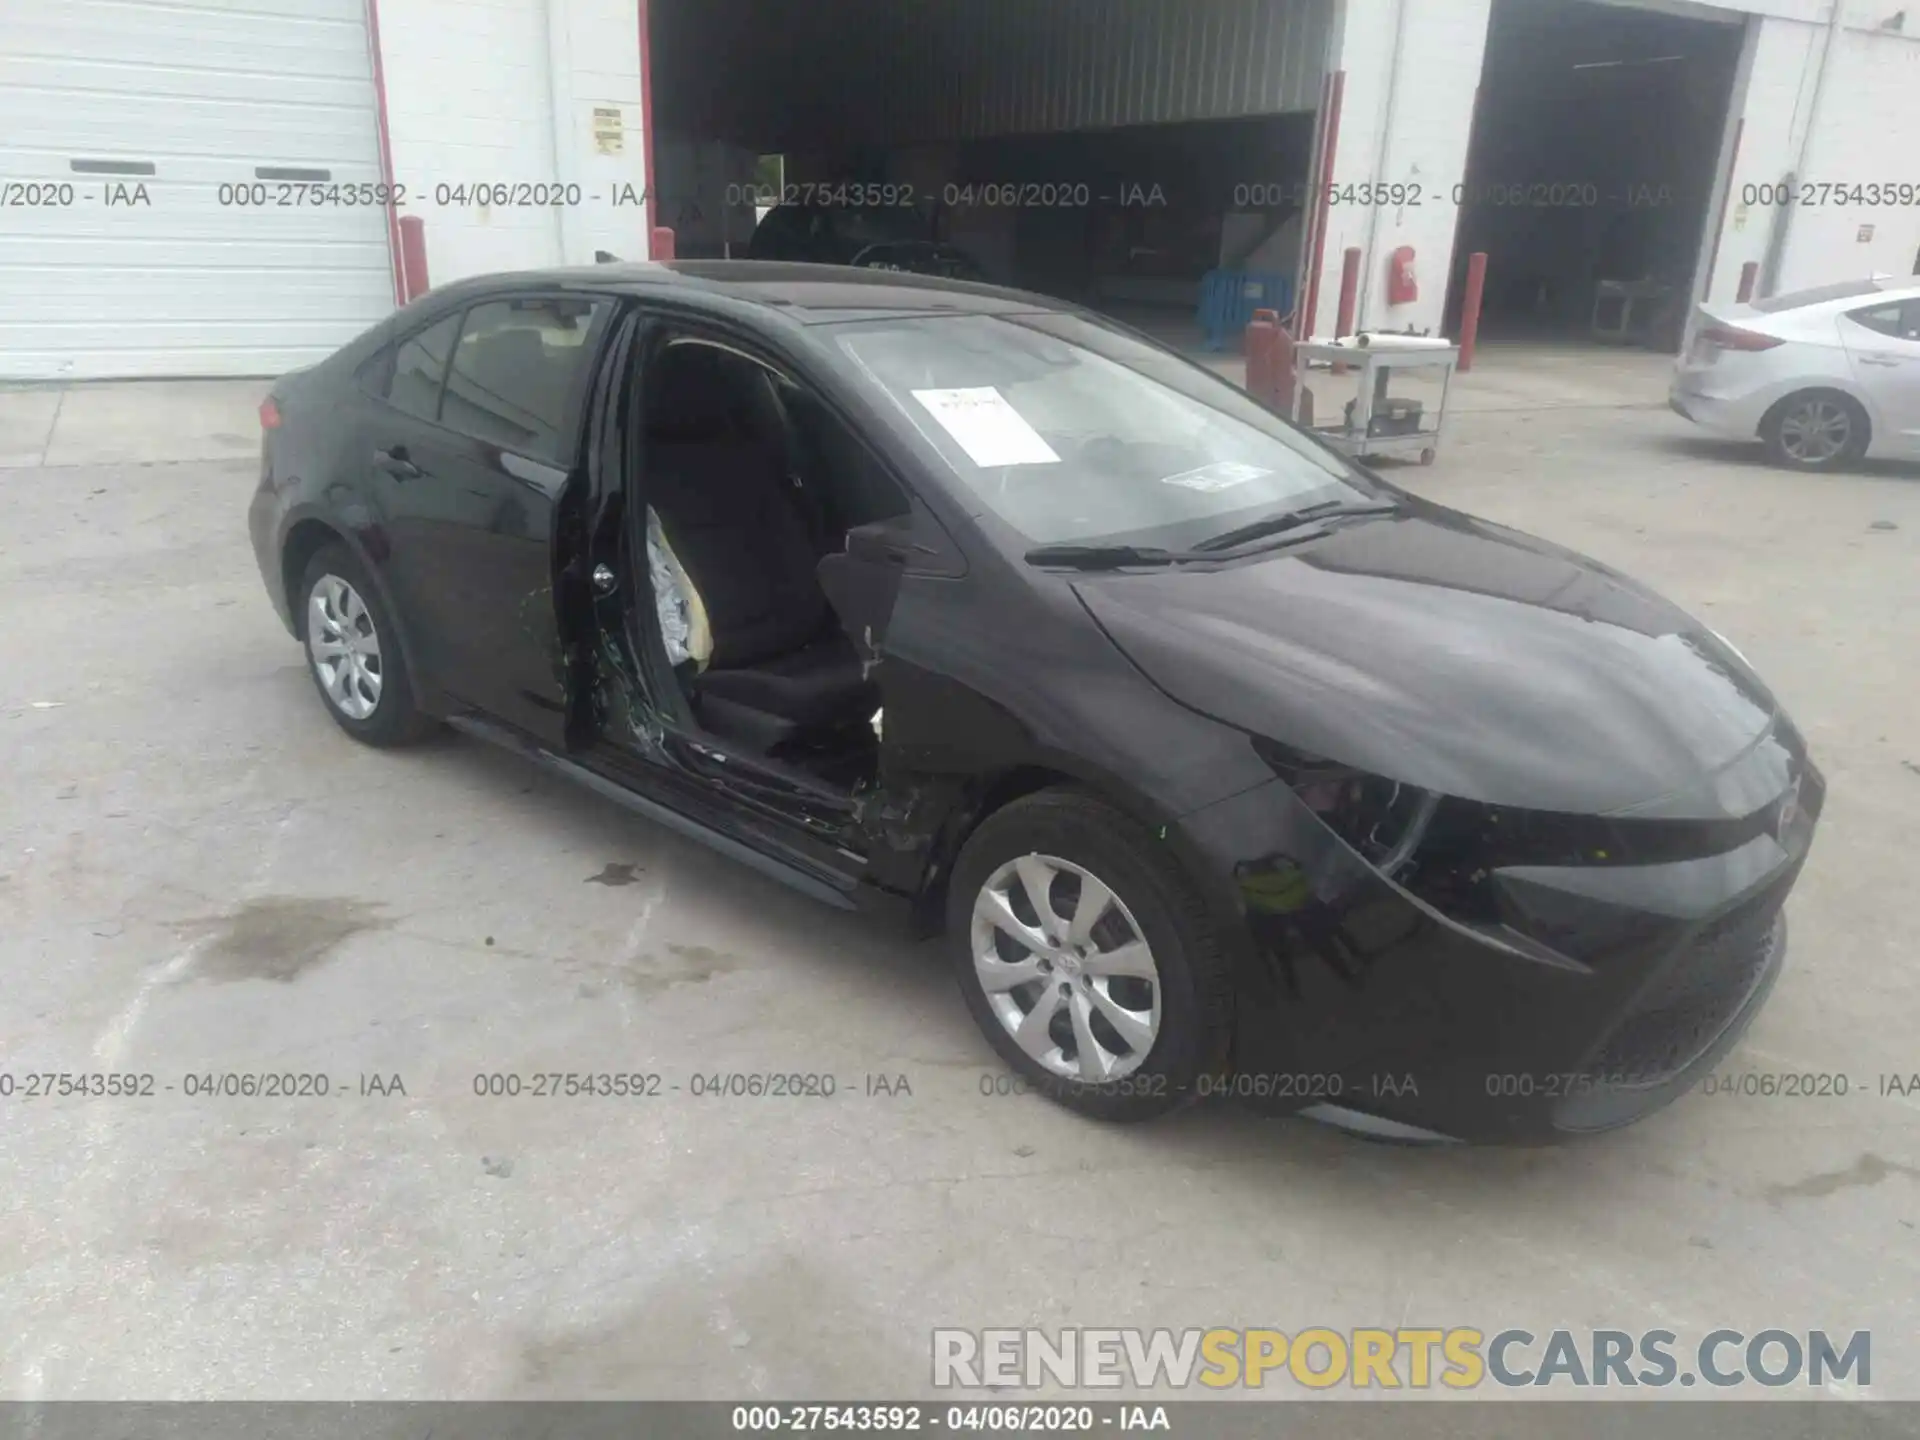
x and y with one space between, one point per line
396 463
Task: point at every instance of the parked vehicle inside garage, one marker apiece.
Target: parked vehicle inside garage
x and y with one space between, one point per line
1225 765
872 237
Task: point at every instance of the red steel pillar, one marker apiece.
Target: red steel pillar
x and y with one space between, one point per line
1349 298
413 256
1470 307
1321 203
1349 292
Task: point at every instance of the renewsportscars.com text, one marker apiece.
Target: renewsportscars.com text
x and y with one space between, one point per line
1460 1358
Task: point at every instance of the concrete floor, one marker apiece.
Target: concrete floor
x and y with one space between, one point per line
199 873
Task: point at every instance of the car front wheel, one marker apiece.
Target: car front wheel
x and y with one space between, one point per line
354 655
1815 430
1087 958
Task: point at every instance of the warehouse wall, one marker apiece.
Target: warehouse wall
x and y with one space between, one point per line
1783 57
1866 129
1423 143
539 92
545 91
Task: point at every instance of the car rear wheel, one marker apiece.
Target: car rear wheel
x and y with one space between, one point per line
353 653
1087 958
1815 430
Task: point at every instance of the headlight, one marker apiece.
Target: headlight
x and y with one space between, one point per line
1438 848
1383 819
1445 849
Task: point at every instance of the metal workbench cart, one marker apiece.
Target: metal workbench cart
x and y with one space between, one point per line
1398 386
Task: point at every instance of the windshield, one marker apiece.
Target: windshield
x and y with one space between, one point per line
1073 432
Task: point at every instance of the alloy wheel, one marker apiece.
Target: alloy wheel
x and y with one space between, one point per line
344 647
1066 968
1814 432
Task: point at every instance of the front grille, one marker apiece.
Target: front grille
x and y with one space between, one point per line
1672 1023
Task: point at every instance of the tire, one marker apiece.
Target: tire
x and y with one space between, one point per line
1816 430
1186 1007
368 693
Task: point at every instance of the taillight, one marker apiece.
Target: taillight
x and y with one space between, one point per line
1731 337
269 422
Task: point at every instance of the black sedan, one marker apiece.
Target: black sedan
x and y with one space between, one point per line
1227 767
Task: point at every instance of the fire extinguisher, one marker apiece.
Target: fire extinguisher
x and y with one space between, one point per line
1402 286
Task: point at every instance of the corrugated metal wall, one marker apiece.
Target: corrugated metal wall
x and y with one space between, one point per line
778 75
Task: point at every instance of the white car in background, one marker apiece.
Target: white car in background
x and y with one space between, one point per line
1822 376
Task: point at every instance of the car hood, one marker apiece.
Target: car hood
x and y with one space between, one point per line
1459 656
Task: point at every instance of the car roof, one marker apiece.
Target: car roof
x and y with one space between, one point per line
810 294
1821 300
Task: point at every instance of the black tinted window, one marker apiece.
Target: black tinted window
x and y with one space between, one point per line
515 371
1901 321
419 364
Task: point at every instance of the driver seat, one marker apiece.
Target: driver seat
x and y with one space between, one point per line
781 666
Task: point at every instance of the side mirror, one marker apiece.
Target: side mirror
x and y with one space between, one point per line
885 542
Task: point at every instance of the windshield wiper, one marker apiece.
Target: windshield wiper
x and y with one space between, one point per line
1100 557
1291 520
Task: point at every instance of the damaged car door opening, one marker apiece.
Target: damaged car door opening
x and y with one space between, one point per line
1210 753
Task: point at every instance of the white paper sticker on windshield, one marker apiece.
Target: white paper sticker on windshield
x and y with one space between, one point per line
990 430
1222 475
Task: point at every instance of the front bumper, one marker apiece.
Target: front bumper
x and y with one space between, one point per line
1361 1005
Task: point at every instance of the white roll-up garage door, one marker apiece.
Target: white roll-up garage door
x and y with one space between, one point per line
190 186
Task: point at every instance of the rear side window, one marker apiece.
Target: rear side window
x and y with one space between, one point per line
419 365
515 372
1901 321
1800 299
